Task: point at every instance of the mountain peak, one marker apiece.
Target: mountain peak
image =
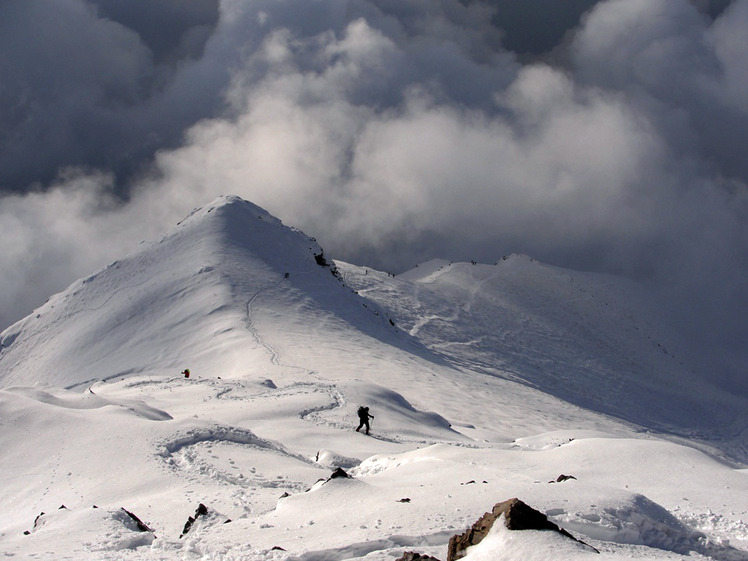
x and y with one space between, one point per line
187 298
230 206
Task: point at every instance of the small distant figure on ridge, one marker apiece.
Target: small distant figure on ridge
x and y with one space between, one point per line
363 417
186 372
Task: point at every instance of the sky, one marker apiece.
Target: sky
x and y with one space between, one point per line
604 136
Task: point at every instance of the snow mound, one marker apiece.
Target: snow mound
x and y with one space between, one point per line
96 529
331 459
502 544
630 519
89 400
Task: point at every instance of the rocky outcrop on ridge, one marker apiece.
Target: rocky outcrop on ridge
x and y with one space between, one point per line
517 516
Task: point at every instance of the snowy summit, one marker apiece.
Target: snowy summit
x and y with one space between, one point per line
485 382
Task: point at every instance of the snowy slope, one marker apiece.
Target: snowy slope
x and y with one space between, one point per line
95 416
182 298
596 341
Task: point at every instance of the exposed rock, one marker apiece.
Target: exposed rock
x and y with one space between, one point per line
517 516
413 556
38 521
202 510
203 518
340 472
142 526
332 460
562 478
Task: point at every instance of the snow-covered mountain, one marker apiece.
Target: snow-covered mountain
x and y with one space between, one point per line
596 341
187 298
485 382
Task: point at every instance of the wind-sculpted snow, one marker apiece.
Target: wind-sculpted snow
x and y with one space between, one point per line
634 519
89 400
102 531
365 549
630 518
332 460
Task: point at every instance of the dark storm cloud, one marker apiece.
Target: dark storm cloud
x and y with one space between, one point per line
606 136
171 29
79 89
537 26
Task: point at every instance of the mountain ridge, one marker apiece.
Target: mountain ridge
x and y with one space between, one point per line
229 252
200 294
596 341
492 381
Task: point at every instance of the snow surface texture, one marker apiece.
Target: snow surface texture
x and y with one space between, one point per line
486 382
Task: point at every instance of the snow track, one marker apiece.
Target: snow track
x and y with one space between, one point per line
252 328
223 434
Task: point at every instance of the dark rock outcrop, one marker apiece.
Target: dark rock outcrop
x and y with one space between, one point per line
202 510
517 516
339 472
561 478
142 526
209 518
37 523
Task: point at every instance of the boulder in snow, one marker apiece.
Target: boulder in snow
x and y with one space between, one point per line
203 517
517 516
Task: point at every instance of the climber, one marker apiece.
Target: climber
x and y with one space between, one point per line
363 417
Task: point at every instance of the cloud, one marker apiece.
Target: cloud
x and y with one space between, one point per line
173 30
83 90
397 132
52 237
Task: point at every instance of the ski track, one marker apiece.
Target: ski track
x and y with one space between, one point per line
225 456
250 324
459 308
337 399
